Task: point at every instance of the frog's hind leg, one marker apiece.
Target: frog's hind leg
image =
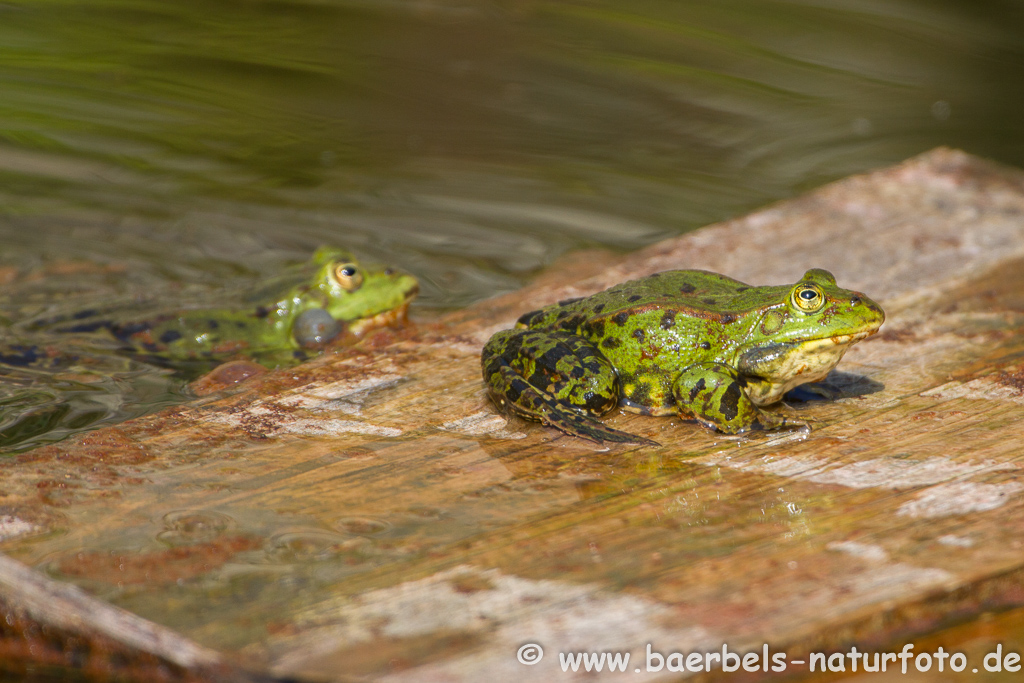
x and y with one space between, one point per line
556 378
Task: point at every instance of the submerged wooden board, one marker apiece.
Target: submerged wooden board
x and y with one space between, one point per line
369 515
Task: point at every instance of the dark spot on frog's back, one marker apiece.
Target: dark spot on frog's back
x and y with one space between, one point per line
708 300
638 335
668 320
212 324
555 354
170 336
635 297
621 318
574 322
598 308
687 288
611 343
527 318
597 328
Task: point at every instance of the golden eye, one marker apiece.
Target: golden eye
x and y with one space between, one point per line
808 298
348 276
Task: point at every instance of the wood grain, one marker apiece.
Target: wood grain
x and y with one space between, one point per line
368 515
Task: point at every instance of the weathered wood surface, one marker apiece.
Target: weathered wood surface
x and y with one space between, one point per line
55 626
368 515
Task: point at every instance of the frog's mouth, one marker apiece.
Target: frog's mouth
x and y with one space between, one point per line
844 339
395 316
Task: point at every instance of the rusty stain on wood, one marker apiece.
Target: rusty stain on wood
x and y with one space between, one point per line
372 500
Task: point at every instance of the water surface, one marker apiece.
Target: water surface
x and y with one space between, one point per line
156 154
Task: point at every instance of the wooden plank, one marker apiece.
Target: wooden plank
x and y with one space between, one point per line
368 513
50 625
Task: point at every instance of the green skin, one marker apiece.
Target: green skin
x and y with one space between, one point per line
686 342
335 294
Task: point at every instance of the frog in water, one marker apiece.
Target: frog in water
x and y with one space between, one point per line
333 294
686 342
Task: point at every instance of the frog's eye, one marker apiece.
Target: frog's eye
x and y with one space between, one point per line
348 276
808 298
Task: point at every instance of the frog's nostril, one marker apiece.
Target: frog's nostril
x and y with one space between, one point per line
854 300
389 271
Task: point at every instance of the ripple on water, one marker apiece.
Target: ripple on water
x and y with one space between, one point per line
363 526
185 527
313 545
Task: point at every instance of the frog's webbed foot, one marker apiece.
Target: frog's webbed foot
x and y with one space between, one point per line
555 378
714 394
775 420
591 429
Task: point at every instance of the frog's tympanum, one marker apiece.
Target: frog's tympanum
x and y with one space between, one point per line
684 342
334 294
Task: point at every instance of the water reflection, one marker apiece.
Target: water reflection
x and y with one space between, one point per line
169 151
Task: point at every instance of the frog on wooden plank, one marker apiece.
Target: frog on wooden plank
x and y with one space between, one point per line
686 342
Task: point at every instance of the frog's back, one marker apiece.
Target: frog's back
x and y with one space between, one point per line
699 291
697 294
651 328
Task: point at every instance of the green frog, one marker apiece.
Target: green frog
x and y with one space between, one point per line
302 311
687 342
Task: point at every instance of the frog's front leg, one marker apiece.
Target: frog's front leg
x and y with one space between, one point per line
714 394
556 378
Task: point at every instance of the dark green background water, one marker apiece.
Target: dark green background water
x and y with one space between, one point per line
160 152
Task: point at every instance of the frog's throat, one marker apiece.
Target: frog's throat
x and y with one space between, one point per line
385 319
811 363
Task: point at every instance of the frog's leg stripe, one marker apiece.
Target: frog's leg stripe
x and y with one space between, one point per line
729 401
696 389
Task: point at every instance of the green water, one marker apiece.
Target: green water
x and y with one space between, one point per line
157 153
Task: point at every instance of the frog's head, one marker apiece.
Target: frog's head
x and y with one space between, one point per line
816 308
357 296
801 338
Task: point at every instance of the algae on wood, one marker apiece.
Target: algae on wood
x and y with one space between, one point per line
368 513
